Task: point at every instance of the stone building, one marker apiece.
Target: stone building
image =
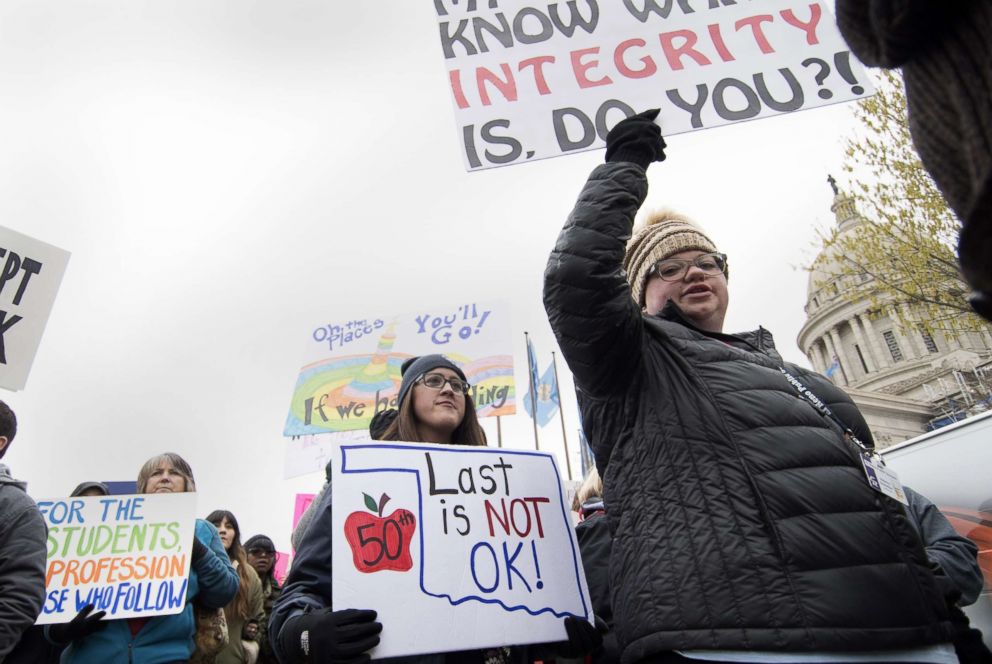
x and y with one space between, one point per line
905 381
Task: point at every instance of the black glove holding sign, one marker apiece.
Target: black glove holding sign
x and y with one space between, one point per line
331 637
637 140
79 627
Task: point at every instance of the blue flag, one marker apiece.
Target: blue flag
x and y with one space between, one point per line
547 399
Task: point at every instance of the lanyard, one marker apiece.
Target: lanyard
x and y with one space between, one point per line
806 393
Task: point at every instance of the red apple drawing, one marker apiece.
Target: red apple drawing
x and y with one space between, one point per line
380 543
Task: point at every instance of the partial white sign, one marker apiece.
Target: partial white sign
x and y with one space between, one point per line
30 274
437 537
532 80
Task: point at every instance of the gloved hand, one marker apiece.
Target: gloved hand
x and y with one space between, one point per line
583 638
330 637
636 139
79 627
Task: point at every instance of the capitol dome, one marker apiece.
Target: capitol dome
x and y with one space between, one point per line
903 380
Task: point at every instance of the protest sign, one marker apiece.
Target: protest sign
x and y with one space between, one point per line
127 555
30 274
533 80
303 501
440 537
352 366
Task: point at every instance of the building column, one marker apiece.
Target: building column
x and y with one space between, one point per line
833 345
917 336
875 342
816 356
866 352
908 348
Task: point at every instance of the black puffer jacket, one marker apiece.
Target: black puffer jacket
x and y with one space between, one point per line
741 517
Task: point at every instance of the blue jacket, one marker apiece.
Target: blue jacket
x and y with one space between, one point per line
213 582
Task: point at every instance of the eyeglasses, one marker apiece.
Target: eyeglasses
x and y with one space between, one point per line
436 381
261 552
674 269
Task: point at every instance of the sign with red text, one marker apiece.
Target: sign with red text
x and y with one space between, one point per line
532 80
437 537
30 274
352 366
126 555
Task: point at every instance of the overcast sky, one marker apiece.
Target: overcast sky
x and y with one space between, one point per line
228 174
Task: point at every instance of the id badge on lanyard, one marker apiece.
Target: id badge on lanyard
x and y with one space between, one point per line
881 479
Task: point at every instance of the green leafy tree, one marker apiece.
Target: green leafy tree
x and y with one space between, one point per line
904 253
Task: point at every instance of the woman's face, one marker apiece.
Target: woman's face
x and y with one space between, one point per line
262 560
166 479
438 411
227 533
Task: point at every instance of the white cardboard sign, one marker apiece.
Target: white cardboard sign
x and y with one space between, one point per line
128 555
532 80
30 274
439 537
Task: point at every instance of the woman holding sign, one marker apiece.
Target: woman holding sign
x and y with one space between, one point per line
433 406
212 584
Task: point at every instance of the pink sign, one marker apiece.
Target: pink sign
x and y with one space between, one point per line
303 501
281 568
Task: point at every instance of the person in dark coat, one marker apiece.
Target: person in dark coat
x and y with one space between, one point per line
592 533
945 54
744 526
23 549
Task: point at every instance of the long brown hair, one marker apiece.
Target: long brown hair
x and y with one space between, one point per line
242 602
404 425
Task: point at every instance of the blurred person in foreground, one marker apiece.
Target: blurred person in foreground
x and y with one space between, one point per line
945 54
744 526
23 548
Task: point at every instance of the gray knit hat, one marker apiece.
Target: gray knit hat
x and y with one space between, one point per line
416 367
663 234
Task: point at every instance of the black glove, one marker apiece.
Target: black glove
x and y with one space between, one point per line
79 627
636 139
199 549
330 637
583 638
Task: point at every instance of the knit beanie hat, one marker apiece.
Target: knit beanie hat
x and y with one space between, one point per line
86 486
663 234
260 542
416 367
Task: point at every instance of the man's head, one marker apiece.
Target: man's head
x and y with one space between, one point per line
8 427
671 258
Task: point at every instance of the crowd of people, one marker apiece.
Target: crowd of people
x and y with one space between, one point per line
738 517
734 521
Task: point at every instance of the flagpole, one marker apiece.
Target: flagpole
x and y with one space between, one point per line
499 433
561 414
531 370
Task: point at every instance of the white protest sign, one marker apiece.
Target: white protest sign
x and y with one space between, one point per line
30 274
438 538
310 453
351 368
532 80
128 555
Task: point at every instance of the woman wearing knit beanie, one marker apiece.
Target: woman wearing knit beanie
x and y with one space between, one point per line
744 525
433 406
